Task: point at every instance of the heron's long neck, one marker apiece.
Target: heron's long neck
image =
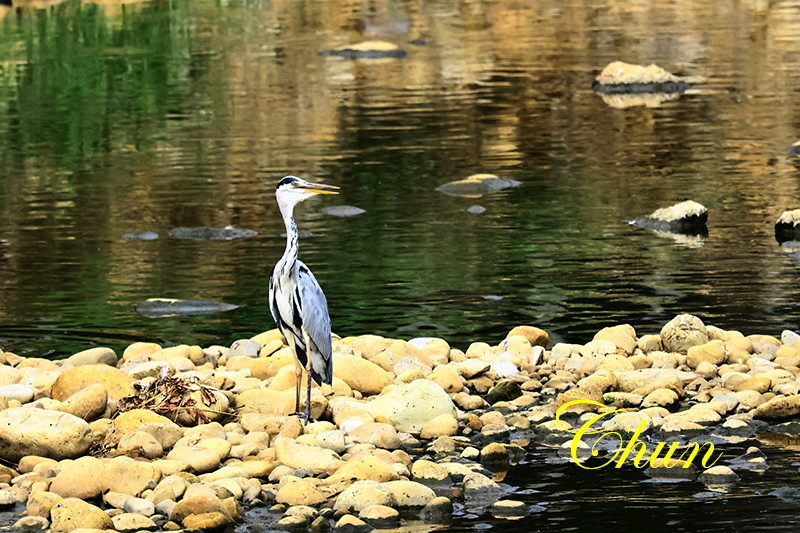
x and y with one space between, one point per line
290 255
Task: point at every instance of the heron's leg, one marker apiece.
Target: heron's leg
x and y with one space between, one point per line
298 372
308 390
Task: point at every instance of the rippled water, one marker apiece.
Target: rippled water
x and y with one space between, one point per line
131 117
117 118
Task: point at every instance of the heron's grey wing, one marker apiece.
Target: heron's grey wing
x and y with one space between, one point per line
316 320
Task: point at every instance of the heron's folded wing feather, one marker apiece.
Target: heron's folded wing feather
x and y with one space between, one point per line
316 320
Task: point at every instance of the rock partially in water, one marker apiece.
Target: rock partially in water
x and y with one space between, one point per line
625 78
141 236
477 185
476 209
786 494
368 50
163 307
686 217
718 475
794 149
787 227
203 233
343 211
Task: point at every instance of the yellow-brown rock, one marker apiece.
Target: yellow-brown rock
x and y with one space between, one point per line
444 425
269 336
132 420
89 403
140 351
359 374
536 336
368 467
623 336
71 513
759 384
711 352
296 491
116 382
447 378
266 401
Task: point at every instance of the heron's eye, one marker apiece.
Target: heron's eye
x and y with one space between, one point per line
295 183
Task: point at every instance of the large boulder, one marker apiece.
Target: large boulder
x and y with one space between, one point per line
409 407
28 431
683 332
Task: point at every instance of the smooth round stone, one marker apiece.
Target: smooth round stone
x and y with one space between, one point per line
350 523
476 209
212 520
82 478
508 508
93 356
442 425
133 522
72 513
139 506
332 440
244 348
362 494
438 510
28 431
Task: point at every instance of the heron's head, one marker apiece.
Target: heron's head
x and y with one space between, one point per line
292 190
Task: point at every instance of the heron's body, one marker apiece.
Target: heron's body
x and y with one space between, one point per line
296 300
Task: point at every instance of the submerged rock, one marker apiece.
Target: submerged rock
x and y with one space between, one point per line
343 211
477 185
476 209
685 217
367 50
162 307
204 233
787 227
141 236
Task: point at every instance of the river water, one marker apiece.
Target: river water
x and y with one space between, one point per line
146 116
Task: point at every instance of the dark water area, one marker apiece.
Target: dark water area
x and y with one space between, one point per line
119 118
561 496
143 117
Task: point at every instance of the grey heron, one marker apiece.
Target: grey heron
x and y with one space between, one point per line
296 300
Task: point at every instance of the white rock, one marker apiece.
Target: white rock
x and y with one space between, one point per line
19 392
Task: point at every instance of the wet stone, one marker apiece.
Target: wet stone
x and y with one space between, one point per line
203 233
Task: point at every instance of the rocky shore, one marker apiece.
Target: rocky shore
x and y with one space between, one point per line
187 437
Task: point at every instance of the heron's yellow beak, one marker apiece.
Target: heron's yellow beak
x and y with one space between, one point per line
320 188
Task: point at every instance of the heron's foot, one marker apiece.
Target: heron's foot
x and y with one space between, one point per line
303 415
